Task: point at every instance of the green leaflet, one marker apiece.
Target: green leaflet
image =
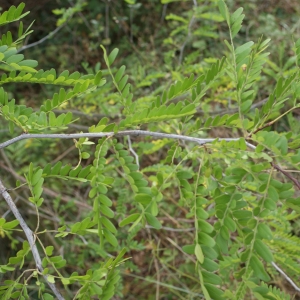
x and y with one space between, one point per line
153 221
265 290
263 251
258 268
264 231
11 61
199 253
13 14
119 81
157 114
20 115
130 219
223 10
112 56
8 225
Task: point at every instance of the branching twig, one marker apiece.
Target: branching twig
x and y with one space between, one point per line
286 277
118 134
30 237
273 121
262 127
50 35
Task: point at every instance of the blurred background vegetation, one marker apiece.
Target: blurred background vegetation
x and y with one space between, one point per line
159 42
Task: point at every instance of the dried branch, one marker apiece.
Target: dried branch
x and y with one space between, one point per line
30 237
118 134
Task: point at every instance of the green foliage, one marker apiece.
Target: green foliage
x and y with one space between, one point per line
239 193
13 14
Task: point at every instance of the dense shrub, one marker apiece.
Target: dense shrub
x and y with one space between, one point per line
177 169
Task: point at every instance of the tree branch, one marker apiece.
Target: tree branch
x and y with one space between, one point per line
30 237
118 134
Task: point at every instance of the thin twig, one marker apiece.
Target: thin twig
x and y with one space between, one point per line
286 277
189 292
262 127
273 121
183 96
133 152
289 176
5 158
106 29
48 36
61 156
181 250
200 141
79 127
78 113
188 35
164 12
131 22
85 21
155 252
9 211
173 229
233 110
30 237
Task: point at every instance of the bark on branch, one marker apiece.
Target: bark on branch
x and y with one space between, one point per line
118 134
30 237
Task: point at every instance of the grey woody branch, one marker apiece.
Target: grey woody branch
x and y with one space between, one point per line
48 36
118 134
286 277
30 237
